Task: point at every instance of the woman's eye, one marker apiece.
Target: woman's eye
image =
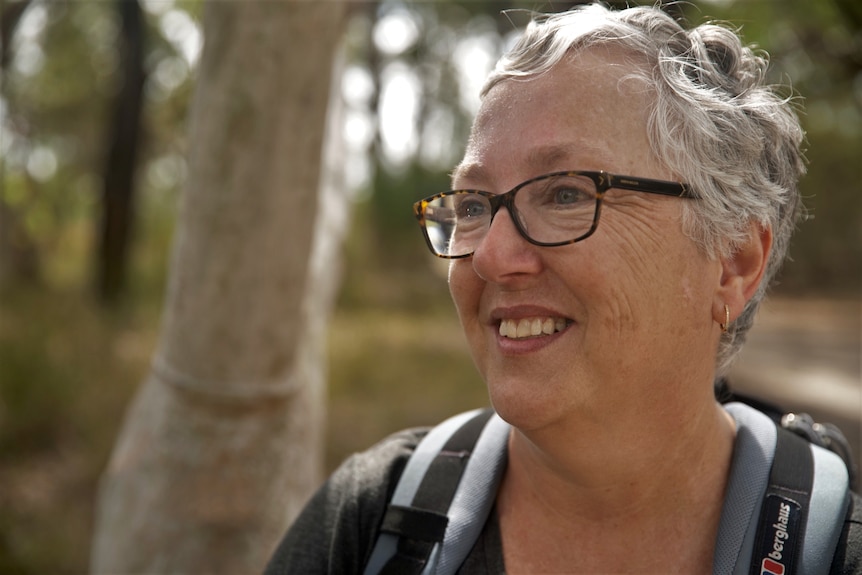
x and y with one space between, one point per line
567 196
471 209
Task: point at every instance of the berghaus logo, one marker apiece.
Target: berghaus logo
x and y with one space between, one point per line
774 563
771 567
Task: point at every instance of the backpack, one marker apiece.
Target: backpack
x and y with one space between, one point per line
793 495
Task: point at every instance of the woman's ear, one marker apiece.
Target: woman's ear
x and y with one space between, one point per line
741 272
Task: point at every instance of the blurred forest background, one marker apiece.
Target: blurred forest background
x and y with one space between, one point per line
93 106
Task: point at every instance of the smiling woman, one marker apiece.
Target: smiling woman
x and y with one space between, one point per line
627 193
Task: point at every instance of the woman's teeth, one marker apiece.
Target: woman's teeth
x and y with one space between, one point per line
531 327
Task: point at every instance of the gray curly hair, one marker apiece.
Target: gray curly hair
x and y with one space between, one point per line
713 120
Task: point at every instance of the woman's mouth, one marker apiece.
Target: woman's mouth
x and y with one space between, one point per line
532 327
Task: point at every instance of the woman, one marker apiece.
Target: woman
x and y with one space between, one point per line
633 188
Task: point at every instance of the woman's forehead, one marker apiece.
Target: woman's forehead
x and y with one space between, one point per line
552 120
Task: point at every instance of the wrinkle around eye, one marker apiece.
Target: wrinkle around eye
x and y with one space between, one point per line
640 222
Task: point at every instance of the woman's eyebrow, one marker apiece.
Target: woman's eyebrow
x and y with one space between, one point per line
541 157
549 157
560 156
470 171
535 161
539 160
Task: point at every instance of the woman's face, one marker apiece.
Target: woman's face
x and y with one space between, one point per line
634 300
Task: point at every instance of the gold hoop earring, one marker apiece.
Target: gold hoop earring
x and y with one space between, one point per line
726 323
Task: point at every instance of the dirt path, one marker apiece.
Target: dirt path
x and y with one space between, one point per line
806 356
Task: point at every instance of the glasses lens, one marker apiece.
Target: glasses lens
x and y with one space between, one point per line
456 222
557 209
550 210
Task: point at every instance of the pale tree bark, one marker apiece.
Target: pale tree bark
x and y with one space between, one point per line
222 444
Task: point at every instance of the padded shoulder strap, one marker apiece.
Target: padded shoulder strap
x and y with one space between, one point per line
446 488
475 496
830 500
784 512
769 461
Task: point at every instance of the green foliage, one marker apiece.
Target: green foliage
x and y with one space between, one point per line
32 388
394 193
391 269
57 94
66 372
418 374
815 48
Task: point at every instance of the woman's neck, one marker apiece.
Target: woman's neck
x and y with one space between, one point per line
608 486
625 464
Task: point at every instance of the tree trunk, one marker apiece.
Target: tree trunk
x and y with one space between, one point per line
222 445
118 189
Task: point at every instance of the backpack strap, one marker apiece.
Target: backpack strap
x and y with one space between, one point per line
426 505
830 502
780 490
475 496
772 467
825 435
784 511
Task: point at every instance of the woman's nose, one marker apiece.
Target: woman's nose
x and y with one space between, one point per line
504 254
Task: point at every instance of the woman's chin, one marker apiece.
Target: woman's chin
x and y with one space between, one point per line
524 409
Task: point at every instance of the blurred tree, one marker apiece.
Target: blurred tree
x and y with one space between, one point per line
53 86
222 444
66 83
123 141
10 14
17 253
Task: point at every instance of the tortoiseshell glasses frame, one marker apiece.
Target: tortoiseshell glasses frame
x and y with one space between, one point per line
553 209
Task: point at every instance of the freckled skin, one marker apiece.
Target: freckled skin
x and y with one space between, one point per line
639 292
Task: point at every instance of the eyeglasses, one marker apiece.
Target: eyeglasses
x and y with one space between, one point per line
550 210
